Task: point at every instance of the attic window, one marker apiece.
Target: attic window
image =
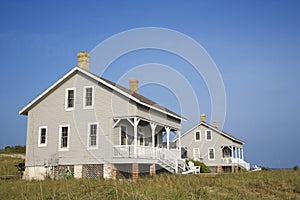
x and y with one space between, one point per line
88 101
197 136
70 99
208 135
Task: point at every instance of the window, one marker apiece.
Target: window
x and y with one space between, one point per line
64 132
123 135
42 140
211 154
70 99
208 135
197 136
88 101
92 135
196 153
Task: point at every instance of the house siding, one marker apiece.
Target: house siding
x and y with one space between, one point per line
50 111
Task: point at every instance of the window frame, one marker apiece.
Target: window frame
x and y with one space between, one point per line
89 146
214 153
194 157
84 97
66 99
210 135
39 136
60 148
195 136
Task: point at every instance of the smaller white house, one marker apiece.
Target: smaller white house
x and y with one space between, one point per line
217 149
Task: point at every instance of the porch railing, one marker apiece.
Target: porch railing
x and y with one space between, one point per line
166 157
237 161
127 151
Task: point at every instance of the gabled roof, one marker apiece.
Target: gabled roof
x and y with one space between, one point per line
118 88
215 129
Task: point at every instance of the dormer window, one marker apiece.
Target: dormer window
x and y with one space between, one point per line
70 99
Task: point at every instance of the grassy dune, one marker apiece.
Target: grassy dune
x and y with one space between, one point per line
7 164
282 184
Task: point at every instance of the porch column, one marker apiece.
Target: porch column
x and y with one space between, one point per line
235 152
232 152
168 137
135 125
239 153
179 142
153 126
242 155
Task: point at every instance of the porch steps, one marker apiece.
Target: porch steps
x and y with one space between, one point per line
167 167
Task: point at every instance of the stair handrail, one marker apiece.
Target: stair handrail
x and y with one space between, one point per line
169 158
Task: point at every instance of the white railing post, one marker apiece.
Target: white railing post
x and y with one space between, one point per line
168 137
179 142
153 126
135 126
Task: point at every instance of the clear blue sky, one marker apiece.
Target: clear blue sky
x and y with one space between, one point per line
255 44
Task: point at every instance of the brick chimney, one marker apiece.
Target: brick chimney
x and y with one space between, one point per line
215 124
83 60
203 117
133 85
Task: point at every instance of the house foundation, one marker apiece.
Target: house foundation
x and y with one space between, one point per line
220 169
135 171
109 171
77 171
152 170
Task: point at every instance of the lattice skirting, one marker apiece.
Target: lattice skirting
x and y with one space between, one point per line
92 171
63 171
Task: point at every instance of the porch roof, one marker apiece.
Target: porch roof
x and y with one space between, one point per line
117 120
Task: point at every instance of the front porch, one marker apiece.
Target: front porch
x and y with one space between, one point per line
232 155
138 138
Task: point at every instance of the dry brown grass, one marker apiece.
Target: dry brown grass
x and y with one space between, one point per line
251 185
281 184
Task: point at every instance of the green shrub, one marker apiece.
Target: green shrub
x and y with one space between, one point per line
14 149
203 169
296 168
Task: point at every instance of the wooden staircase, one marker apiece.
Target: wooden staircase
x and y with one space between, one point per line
169 161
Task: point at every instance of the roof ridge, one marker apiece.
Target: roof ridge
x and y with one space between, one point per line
137 95
122 90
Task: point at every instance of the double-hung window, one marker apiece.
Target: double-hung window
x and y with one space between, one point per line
88 97
93 135
70 99
208 135
64 137
197 136
211 154
42 138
